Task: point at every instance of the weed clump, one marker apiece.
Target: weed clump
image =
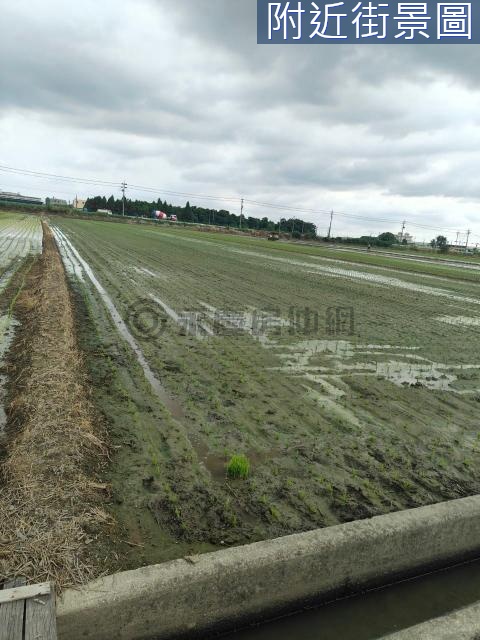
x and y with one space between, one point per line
238 467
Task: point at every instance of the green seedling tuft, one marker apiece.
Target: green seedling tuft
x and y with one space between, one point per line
238 467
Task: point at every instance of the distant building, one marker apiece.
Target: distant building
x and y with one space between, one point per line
17 198
405 238
56 202
79 203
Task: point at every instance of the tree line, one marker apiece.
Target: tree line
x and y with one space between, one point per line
201 215
386 239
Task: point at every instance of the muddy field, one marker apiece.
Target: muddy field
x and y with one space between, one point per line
345 384
351 388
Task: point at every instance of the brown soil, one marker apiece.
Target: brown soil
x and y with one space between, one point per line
50 509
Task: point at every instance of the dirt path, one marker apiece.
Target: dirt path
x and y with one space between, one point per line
50 509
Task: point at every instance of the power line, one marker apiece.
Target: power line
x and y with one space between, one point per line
35 188
53 176
234 199
199 196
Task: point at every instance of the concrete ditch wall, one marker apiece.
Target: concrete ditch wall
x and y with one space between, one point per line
463 624
217 591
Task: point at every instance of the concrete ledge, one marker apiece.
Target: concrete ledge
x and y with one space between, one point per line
246 584
463 624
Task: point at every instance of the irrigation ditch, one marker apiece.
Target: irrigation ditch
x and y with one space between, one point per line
201 596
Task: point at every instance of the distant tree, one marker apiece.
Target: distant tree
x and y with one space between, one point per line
187 215
387 239
190 213
441 243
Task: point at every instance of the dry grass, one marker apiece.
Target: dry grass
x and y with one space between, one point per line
50 505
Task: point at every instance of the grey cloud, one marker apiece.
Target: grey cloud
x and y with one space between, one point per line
184 84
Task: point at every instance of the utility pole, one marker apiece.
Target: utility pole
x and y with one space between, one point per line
456 241
123 188
330 227
403 231
241 211
466 243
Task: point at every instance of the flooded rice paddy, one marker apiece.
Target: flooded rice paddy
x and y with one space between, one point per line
20 238
341 383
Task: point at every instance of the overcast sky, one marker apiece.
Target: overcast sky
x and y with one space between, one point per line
177 94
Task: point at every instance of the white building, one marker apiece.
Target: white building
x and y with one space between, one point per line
405 237
79 203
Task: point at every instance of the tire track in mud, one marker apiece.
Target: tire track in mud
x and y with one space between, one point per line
78 262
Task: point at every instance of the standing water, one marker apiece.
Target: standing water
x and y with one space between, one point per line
374 614
7 328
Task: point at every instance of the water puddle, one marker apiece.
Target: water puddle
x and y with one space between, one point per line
142 271
412 370
216 464
460 321
7 276
72 265
7 333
